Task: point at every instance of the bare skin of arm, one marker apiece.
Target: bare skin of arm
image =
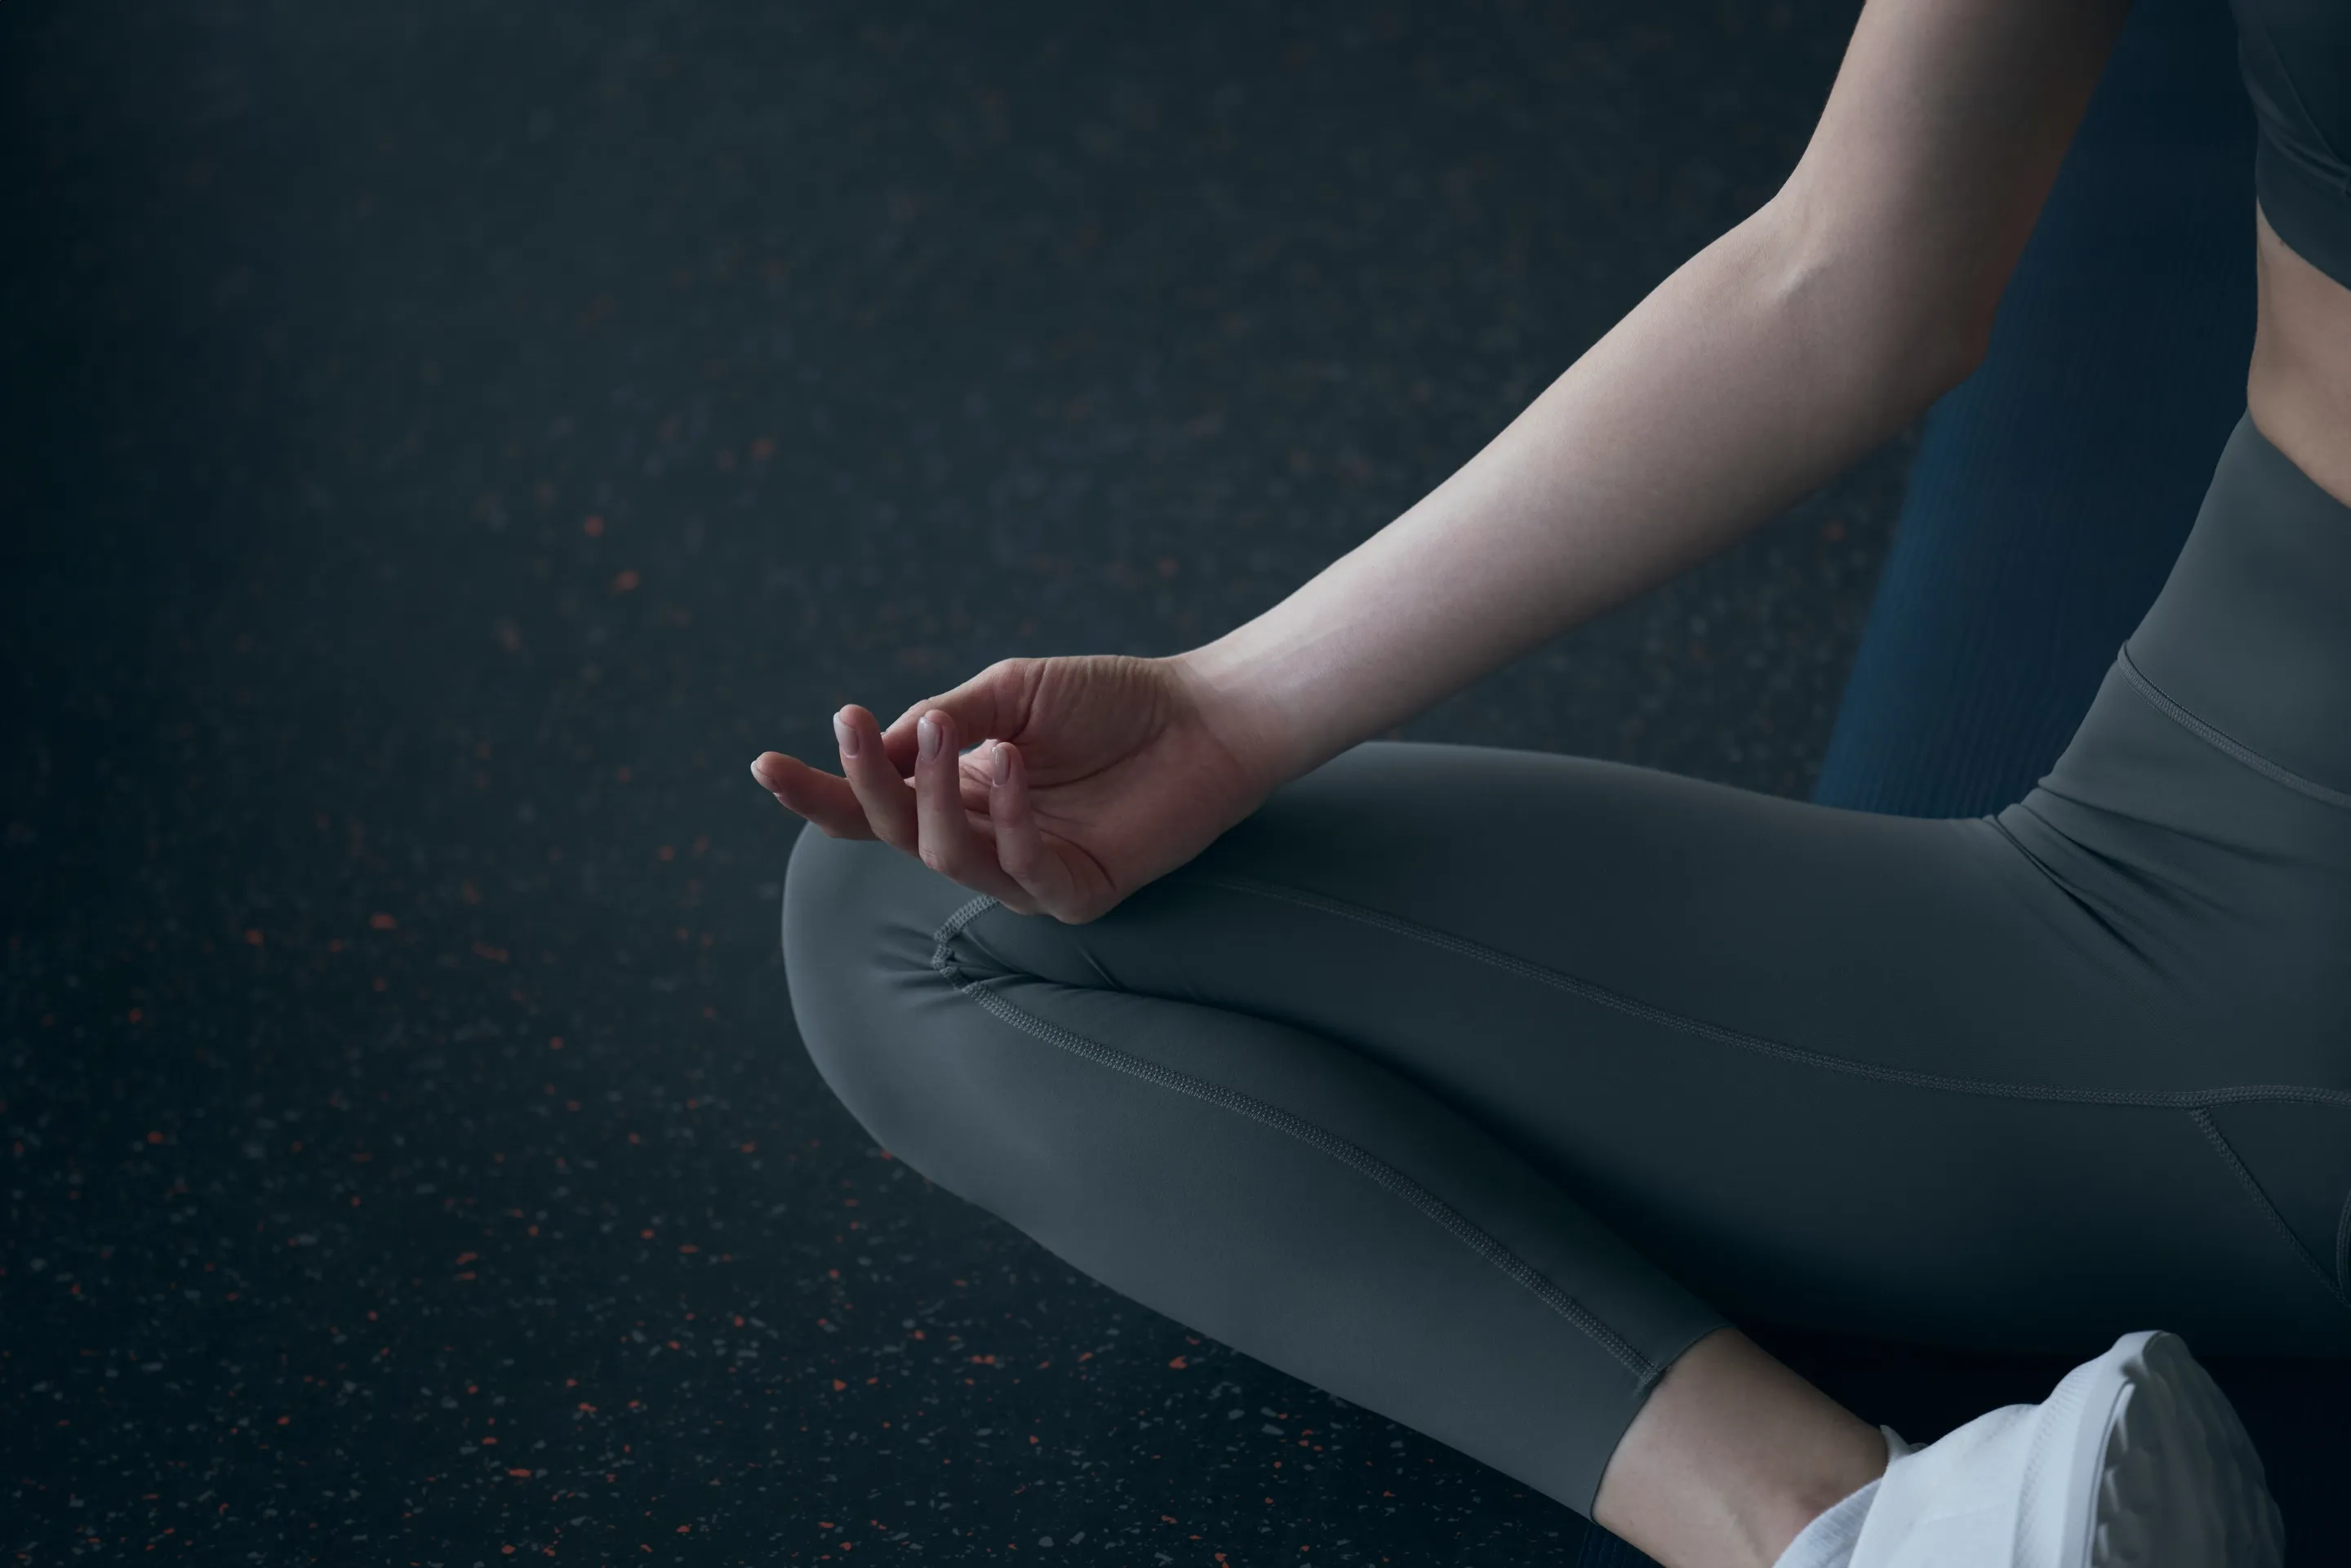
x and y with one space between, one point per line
1769 362
1774 359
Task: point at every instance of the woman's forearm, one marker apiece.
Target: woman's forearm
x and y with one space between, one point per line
1755 373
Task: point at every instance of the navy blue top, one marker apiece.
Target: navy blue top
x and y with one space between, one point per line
2295 57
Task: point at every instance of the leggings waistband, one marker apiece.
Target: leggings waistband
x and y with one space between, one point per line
2249 643
2216 739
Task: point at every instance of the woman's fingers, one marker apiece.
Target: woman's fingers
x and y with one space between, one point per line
992 702
822 798
1019 846
927 816
887 799
950 844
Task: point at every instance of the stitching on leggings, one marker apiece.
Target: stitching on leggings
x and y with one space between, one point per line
2269 1210
2343 1248
2213 738
2181 1099
1354 1155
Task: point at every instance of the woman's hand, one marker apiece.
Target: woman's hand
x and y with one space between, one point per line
1104 773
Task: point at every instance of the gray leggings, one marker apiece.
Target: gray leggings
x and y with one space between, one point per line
1474 1086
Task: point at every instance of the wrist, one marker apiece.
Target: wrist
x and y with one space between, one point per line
1240 713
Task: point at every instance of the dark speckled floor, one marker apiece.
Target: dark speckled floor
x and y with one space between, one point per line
445 444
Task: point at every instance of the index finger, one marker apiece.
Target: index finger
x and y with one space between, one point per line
824 798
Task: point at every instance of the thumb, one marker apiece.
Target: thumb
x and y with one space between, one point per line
991 705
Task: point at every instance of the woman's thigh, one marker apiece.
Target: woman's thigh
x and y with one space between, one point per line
1885 1076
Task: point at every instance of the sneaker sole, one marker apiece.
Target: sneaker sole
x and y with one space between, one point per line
2140 1462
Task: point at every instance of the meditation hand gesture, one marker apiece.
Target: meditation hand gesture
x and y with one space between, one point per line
1102 773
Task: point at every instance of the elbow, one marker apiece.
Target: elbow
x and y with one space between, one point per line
1909 331
1931 333
1967 344
1918 348
1949 353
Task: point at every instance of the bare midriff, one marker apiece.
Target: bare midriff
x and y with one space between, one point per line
2298 390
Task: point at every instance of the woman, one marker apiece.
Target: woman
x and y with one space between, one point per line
1479 1086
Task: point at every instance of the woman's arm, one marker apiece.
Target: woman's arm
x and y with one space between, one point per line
1759 370
1778 354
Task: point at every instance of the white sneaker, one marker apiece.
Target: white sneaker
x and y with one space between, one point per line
2135 1458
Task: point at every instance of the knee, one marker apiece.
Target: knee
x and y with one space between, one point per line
834 904
859 922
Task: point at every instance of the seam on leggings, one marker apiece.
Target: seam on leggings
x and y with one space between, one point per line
2220 742
2269 1210
2343 1248
2179 1099
1354 1155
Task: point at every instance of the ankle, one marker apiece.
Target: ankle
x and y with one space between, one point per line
1830 1537
1730 1457
1783 1514
1725 1521
1788 1514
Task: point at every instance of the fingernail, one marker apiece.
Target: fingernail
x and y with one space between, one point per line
995 765
845 735
927 737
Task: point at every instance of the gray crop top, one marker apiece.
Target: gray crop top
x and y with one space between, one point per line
2295 58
